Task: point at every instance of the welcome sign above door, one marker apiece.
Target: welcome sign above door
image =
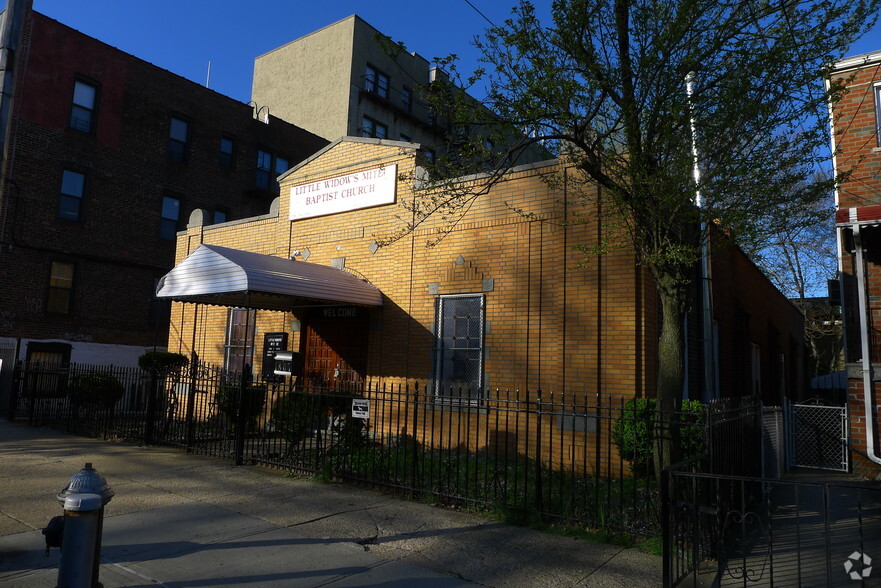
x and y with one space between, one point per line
372 187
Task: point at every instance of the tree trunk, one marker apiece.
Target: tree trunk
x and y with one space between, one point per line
673 295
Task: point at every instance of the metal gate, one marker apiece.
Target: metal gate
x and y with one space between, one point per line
818 436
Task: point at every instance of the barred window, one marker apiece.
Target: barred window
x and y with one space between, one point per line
239 348
459 346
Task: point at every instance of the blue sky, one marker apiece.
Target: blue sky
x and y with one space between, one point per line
185 35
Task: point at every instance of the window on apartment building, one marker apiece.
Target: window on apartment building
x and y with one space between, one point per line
375 81
48 354
878 114
373 128
71 199
83 107
430 156
170 218
459 346
406 138
178 139
226 157
407 99
220 215
238 350
269 167
59 299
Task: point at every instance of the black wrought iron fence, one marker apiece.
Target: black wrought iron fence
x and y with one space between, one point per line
722 530
583 458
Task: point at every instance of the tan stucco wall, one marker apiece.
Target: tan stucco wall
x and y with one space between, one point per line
308 81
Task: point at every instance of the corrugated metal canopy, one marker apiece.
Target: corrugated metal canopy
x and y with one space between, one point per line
231 277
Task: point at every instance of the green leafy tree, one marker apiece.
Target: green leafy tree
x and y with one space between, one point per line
637 95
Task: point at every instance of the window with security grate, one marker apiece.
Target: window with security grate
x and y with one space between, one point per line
459 346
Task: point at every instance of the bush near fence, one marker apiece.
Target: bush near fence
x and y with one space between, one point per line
527 454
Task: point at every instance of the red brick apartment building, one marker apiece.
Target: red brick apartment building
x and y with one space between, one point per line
499 302
107 157
856 121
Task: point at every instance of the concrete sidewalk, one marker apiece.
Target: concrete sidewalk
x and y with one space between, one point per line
184 520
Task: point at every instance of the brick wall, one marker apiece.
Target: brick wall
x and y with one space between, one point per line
854 123
550 324
115 246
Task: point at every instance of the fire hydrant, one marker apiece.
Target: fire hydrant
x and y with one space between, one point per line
80 529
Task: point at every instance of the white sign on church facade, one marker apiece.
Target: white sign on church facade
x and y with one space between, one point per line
372 187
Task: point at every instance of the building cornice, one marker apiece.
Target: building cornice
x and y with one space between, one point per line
857 62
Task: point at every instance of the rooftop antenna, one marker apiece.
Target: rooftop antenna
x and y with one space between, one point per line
208 78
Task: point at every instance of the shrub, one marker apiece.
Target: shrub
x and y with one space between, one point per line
95 389
227 399
296 414
162 361
633 432
292 415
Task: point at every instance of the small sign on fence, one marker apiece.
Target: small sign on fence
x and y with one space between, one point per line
360 408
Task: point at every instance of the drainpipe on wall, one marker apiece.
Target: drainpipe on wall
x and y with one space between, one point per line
709 391
11 22
864 342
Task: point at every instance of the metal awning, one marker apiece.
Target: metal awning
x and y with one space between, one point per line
232 277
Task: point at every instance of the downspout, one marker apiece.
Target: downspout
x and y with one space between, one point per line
709 391
11 24
864 343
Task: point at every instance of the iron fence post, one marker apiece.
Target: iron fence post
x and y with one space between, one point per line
15 392
191 401
240 416
31 393
415 459
539 500
666 524
152 393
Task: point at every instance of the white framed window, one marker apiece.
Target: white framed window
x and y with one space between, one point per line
877 92
239 348
459 346
83 107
